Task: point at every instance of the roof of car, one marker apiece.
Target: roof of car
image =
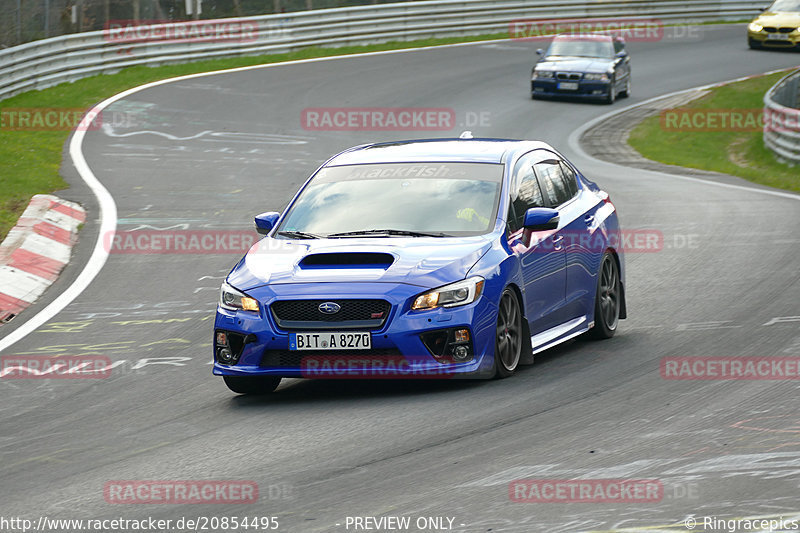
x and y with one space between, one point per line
454 150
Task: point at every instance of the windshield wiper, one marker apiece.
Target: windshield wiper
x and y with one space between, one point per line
299 235
402 232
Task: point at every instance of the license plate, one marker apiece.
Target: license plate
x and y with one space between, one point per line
330 340
568 85
777 37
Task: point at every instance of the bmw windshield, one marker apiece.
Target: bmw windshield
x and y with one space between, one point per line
582 48
404 199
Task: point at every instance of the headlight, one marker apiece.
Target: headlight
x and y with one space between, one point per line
230 298
756 27
459 293
596 77
543 74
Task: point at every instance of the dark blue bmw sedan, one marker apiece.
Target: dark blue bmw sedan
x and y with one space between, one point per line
429 258
592 66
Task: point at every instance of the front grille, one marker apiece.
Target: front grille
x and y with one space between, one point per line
293 359
305 314
773 29
572 76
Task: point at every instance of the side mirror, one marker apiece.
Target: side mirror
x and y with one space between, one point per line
541 218
539 52
622 54
266 221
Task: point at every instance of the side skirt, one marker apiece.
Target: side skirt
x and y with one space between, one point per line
558 334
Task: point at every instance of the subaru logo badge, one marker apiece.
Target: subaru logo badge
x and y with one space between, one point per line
329 308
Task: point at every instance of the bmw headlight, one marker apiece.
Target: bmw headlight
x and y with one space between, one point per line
234 300
755 26
596 76
459 293
543 74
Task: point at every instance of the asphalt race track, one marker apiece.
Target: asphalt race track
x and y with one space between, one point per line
209 153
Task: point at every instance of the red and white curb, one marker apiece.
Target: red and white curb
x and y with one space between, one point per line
35 251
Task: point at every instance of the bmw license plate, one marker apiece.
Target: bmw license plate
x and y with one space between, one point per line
777 37
330 340
568 85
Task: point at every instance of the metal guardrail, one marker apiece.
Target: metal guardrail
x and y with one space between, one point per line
782 118
47 62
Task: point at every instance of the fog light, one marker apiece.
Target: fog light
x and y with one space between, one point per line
460 353
229 345
453 345
225 356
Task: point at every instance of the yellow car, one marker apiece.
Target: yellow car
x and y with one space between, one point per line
777 27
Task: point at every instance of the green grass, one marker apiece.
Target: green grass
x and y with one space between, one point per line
737 153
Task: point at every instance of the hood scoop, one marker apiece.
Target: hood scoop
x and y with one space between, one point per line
347 260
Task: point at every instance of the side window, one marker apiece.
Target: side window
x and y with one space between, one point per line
570 179
552 182
619 46
511 218
527 192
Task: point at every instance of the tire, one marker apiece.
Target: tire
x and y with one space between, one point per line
612 93
252 384
508 337
607 299
753 44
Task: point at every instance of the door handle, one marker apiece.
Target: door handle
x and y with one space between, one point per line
588 219
557 242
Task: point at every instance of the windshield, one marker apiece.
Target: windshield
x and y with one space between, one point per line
581 48
785 5
438 198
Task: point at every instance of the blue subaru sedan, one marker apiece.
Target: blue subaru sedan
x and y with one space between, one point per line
588 66
422 259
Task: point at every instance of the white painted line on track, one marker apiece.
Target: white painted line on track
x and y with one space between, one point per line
574 139
108 208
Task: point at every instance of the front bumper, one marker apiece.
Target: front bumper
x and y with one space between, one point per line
774 39
586 89
397 348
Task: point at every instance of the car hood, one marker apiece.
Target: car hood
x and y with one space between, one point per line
575 64
779 19
425 262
